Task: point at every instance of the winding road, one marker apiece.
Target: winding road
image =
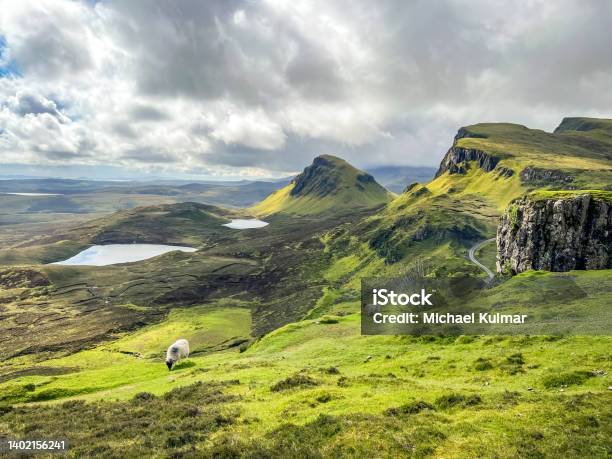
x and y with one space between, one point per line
473 259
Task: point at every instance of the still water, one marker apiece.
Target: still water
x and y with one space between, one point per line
102 255
239 223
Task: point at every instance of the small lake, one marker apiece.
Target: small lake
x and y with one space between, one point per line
33 194
239 223
111 254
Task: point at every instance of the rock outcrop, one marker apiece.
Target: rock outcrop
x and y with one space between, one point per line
326 176
464 133
503 171
318 178
570 230
410 187
536 176
456 160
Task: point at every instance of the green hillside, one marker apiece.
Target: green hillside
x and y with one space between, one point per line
318 387
329 184
584 155
278 366
487 166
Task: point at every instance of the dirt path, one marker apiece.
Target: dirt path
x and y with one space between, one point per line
473 259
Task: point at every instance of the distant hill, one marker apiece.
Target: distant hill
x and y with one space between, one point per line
97 196
182 223
185 223
583 124
158 187
329 184
397 178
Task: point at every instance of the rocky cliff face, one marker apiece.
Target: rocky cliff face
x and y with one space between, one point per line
570 231
319 179
541 177
456 159
328 175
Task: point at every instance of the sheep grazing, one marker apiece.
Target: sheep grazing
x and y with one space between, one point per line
178 350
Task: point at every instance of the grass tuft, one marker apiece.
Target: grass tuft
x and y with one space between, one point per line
454 399
409 408
294 381
567 379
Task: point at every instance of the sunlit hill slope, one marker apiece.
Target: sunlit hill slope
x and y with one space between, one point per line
329 184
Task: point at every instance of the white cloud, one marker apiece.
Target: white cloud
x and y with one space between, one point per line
26 102
251 128
49 39
234 86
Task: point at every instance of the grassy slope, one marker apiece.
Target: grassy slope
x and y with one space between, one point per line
204 328
282 201
85 305
481 395
348 194
568 194
485 396
429 226
270 267
571 149
134 358
585 154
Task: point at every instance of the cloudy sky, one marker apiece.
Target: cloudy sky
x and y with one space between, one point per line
230 88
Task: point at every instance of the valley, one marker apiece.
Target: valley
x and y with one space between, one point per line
30 208
279 366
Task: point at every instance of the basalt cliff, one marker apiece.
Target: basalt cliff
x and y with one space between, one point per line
556 231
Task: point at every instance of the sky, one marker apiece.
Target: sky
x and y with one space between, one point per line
257 88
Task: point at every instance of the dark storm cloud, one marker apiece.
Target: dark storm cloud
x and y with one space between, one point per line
81 151
314 73
570 62
298 152
239 50
239 156
433 49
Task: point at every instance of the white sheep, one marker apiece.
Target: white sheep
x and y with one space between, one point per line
178 350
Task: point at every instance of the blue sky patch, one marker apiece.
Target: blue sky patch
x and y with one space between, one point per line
9 68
